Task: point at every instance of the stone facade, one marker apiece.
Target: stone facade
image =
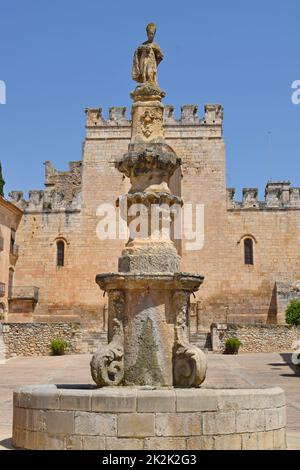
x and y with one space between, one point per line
255 338
10 217
232 290
57 418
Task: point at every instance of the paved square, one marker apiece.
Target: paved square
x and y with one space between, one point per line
244 369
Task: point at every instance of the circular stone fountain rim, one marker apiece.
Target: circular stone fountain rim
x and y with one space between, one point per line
46 417
163 281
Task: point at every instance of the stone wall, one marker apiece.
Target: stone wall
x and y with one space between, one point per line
33 339
2 346
255 338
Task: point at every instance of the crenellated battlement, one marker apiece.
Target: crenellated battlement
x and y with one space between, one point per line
188 125
117 117
213 116
278 195
62 193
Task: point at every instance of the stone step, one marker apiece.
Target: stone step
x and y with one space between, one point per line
94 335
202 340
91 340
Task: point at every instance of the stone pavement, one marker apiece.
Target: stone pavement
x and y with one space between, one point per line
228 371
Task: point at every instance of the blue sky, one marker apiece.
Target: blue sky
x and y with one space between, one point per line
58 57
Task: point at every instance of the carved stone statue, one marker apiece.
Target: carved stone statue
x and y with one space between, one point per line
146 59
296 354
189 362
107 364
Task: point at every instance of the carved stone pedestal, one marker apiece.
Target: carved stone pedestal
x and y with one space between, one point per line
147 114
148 332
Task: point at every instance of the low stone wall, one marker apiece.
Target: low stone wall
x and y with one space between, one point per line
255 338
2 346
51 417
33 339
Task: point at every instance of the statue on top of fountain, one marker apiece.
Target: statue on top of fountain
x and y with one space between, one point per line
146 59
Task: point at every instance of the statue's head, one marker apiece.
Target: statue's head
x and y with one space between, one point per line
151 30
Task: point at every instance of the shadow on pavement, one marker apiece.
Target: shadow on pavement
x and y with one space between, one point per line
287 357
291 376
7 444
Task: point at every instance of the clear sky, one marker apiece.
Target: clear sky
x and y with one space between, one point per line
58 57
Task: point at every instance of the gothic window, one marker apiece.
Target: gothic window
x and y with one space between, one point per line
60 253
248 251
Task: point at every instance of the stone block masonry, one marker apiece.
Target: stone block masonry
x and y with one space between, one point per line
62 191
51 417
232 291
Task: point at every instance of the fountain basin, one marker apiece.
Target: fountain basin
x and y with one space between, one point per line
77 417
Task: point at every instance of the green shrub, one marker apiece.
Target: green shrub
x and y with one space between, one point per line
232 345
58 347
292 314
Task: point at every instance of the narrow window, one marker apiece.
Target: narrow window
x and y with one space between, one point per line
60 254
12 240
248 251
10 282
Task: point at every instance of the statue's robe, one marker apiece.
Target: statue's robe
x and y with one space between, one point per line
145 63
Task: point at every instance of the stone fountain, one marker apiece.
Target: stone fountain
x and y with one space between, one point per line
148 299
148 376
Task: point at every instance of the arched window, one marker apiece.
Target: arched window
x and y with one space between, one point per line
248 251
60 253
